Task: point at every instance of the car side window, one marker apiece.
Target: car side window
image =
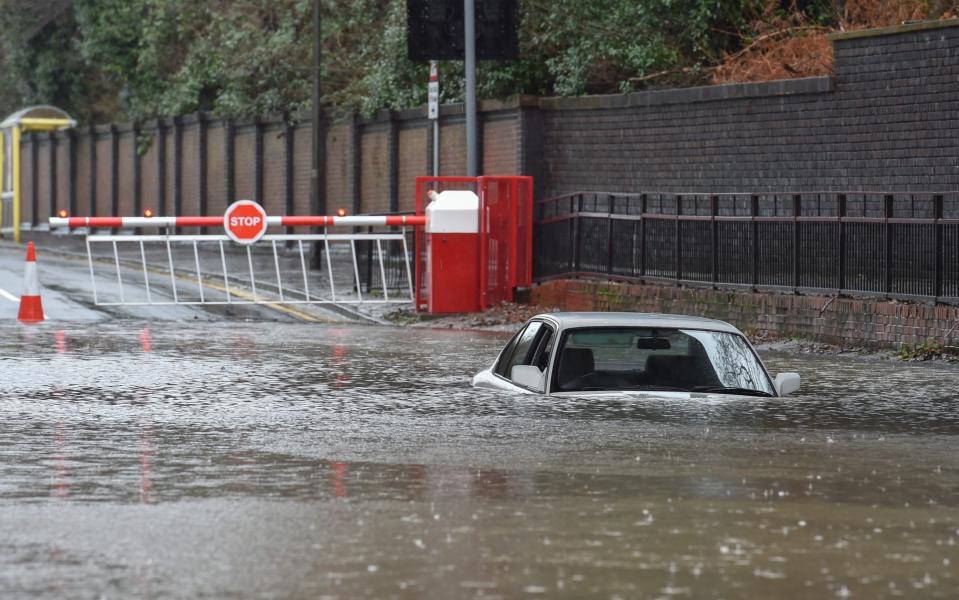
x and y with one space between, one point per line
522 350
544 347
504 356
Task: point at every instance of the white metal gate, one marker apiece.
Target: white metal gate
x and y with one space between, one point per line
212 269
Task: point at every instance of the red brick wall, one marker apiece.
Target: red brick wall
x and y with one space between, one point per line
26 186
339 160
216 200
412 159
103 175
274 171
43 181
243 173
63 173
125 156
374 183
148 175
302 167
413 149
500 141
83 176
841 321
170 148
453 149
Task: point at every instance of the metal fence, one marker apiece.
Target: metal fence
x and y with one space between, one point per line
896 245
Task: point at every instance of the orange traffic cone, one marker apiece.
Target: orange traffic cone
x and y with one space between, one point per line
31 310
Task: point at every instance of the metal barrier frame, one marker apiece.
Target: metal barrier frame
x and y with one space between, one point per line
233 298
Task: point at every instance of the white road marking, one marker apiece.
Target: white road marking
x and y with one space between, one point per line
16 299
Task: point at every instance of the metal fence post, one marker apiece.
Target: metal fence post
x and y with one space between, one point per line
754 223
92 184
52 173
842 242
160 206
288 140
393 162
229 160
797 212
71 172
679 241
642 234
887 214
258 160
137 176
714 230
34 179
576 233
356 144
201 167
938 212
114 171
177 168
611 208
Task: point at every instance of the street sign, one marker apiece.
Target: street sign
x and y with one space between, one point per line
245 221
433 91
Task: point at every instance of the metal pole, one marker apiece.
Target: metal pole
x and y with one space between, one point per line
469 32
318 145
436 147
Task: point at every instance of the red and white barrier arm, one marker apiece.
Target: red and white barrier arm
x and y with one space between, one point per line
287 221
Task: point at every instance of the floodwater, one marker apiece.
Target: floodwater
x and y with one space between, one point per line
293 461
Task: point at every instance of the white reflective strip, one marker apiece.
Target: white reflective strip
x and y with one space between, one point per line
358 221
144 221
31 285
8 295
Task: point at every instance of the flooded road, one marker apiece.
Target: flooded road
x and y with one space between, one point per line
307 461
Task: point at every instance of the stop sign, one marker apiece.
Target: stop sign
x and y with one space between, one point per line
245 221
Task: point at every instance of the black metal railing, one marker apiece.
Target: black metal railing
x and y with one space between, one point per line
897 245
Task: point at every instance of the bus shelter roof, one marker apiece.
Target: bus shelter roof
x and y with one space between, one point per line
39 118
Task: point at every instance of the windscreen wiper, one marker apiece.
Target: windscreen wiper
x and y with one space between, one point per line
719 389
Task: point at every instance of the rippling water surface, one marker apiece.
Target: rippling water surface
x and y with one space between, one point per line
273 460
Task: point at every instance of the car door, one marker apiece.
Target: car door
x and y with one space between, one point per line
531 346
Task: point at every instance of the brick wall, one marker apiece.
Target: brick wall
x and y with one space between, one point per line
848 322
884 121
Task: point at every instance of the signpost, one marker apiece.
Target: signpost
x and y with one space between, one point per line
433 112
245 222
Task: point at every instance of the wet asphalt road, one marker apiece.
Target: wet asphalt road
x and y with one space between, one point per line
197 454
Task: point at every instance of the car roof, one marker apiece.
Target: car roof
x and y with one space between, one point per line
569 320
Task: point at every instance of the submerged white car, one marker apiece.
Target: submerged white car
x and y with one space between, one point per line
575 354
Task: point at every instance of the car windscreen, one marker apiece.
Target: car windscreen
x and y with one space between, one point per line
644 358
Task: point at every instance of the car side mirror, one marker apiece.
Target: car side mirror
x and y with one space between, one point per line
528 376
786 383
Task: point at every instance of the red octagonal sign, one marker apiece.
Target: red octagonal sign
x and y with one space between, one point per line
245 221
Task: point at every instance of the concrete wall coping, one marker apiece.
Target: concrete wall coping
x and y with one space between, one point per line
895 29
709 93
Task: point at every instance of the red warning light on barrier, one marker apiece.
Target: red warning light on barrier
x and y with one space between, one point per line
245 221
148 213
62 213
341 212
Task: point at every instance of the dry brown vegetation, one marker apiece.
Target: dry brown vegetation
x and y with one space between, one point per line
791 46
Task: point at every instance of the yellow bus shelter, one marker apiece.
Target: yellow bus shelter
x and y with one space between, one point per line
35 118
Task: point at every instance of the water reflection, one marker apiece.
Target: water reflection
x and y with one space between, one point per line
357 462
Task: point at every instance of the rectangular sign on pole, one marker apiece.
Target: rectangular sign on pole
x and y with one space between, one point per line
433 91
